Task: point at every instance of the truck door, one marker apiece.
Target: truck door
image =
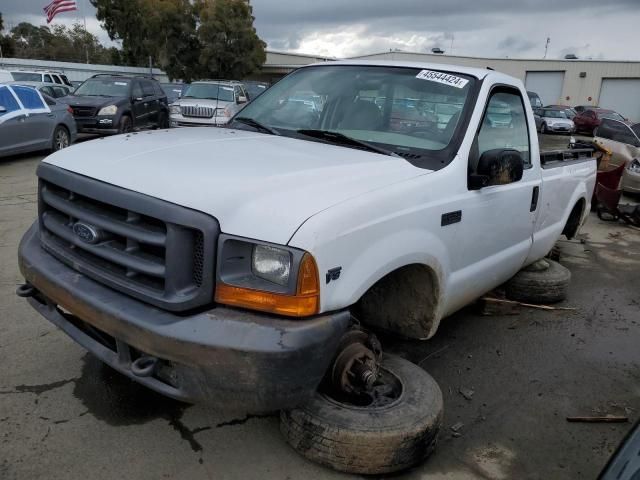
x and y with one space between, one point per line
498 220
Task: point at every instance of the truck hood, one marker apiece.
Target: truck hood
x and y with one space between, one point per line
257 185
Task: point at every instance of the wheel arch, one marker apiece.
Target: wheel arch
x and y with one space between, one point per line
406 301
574 221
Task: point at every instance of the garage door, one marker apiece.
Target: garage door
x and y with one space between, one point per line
621 95
546 84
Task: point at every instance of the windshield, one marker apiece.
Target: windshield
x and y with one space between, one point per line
108 87
26 76
554 114
209 91
611 115
403 110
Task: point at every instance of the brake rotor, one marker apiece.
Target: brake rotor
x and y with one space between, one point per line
356 367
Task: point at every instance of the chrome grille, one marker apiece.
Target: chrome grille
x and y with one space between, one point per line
197 111
155 251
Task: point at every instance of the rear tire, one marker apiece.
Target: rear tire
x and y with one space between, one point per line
540 284
370 439
61 138
163 121
125 124
543 128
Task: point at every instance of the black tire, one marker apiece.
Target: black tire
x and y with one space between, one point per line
163 121
61 138
543 128
539 285
125 124
366 440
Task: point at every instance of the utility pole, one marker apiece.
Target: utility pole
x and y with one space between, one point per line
546 47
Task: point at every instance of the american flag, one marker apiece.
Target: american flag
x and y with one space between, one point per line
58 6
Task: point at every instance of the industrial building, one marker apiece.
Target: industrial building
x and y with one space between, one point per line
608 84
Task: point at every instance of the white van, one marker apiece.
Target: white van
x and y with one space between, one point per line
6 76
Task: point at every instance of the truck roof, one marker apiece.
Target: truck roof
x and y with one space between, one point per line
479 73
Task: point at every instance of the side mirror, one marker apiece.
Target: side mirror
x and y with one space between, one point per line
497 167
242 99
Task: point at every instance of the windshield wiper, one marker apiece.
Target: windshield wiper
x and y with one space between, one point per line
257 125
341 139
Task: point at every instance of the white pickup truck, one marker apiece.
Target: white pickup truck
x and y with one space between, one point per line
230 265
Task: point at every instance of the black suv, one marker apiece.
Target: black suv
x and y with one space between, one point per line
109 103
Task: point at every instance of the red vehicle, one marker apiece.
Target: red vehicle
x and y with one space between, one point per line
588 120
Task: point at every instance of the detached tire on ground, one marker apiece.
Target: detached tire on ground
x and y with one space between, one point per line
388 435
545 281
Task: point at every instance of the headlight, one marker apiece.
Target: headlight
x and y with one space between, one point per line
110 110
271 263
174 109
222 112
634 166
269 278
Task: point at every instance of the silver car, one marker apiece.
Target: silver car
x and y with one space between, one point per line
553 120
30 121
208 103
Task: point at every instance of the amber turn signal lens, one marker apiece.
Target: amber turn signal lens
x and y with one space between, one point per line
304 303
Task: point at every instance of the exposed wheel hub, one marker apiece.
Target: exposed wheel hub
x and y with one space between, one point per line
356 367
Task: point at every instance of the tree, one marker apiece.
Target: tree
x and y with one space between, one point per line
231 47
187 39
7 48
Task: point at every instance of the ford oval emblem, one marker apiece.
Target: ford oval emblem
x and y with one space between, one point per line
86 233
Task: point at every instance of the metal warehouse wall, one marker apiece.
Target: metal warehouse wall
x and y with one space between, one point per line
76 71
577 89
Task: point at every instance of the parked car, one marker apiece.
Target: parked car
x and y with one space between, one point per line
623 140
110 103
553 120
568 111
173 91
254 89
255 246
534 100
30 121
588 120
45 76
53 90
208 103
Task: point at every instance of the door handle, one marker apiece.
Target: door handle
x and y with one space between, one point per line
50 114
534 198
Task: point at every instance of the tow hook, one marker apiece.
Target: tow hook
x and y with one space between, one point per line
355 368
144 366
26 290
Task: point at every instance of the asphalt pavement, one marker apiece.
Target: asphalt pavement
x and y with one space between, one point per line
63 415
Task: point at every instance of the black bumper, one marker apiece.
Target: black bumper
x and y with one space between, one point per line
229 358
93 125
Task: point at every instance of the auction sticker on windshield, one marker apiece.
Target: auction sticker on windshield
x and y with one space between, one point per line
444 78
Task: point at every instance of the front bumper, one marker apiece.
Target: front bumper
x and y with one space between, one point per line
561 128
178 120
630 181
229 358
103 125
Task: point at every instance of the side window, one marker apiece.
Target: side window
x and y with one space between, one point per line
29 97
8 101
237 92
59 92
47 78
604 130
147 88
50 101
56 79
504 126
137 90
621 133
65 80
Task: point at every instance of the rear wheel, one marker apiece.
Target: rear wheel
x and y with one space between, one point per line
392 427
61 138
163 121
125 124
544 281
543 128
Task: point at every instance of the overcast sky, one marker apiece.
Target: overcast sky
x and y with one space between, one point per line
600 29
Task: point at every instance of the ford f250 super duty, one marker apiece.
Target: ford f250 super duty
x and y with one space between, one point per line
229 265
